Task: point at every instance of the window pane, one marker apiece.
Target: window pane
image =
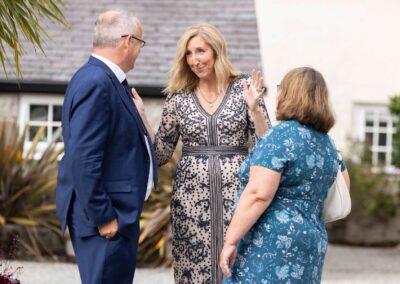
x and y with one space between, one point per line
381 157
59 139
368 139
382 123
382 139
32 132
39 112
56 113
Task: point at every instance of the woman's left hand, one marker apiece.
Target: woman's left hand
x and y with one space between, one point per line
227 259
255 91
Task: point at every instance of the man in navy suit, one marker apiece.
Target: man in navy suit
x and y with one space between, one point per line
109 166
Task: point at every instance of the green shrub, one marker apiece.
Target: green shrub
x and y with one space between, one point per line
373 193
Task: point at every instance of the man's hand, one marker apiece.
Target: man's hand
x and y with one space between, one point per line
109 229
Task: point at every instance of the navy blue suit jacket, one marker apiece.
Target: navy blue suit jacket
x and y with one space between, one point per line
106 163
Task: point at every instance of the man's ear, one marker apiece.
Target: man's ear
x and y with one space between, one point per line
126 42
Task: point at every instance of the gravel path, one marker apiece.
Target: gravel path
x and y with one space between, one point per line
343 265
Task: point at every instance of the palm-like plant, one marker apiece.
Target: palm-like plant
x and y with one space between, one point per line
21 18
27 185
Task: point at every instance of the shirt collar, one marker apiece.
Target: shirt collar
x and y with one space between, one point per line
118 72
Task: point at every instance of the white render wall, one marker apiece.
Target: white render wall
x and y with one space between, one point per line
9 104
355 44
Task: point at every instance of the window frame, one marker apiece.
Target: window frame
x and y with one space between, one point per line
360 128
26 100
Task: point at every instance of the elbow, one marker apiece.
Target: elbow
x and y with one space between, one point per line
259 197
262 199
162 159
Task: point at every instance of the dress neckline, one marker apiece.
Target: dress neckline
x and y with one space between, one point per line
220 106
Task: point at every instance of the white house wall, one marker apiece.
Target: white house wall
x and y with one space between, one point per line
9 104
355 44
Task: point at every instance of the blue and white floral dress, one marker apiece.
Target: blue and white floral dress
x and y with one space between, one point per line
288 242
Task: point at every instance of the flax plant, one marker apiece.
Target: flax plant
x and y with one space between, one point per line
27 186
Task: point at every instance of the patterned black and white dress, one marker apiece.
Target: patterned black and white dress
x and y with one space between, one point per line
206 181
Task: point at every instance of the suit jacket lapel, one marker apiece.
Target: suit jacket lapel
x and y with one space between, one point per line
122 92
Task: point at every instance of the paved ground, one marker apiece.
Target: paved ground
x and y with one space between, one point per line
349 265
343 265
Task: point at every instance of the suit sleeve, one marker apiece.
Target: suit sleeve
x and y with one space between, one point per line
89 129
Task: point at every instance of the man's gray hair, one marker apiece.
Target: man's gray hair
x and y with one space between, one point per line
110 26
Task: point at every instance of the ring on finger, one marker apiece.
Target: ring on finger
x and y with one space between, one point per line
261 90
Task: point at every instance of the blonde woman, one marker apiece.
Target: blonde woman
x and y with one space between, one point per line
277 234
213 109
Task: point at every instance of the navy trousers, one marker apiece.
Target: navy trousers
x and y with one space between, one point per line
100 260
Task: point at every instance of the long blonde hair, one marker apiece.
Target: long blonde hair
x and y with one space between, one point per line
181 76
304 97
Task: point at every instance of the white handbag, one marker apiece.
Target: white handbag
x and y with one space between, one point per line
337 204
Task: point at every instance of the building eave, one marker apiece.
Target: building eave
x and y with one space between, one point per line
54 87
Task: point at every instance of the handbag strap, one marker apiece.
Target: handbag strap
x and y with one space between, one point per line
340 158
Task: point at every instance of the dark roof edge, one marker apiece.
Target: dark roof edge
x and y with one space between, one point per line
54 87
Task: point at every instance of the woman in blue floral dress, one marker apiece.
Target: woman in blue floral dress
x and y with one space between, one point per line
277 234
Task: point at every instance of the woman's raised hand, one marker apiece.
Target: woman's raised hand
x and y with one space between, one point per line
255 91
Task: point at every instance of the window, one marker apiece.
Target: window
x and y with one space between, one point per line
41 111
375 127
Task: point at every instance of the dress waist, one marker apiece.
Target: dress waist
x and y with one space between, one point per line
214 150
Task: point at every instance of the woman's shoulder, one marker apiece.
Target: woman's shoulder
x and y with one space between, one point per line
235 83
177 95
287 125
284 129
299 132
240 77
277 139
296 126
276 130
